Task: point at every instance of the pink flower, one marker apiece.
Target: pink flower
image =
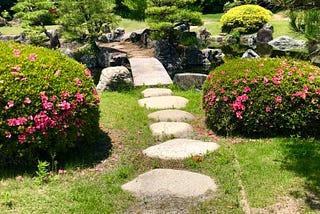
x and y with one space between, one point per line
22 138
305 89
8 135
223 72
65 94
244 81
10 104
225 99
78 82
222 91
290 73
280 70
54 97
246 89
265 80
318 92
236 82
27 101
16 52
278 99
16 68
268 109
19 178
32 57
64 105
57 72
44 98
47 105
234 92
88 73
79 97
311 78
239 114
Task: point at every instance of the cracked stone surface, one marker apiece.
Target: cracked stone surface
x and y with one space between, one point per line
163 102
169 129
171 116
180 149
170 183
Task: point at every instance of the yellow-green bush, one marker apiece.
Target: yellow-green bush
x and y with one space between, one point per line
47 102
248 18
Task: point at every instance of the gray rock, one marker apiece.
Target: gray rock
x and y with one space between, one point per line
189 80
191 56
250 54
163 102
170 183
248 40
285 43
89 60
171 129
171 116
155 92
114 78
178 149
108 57
264 35
168 56
315 59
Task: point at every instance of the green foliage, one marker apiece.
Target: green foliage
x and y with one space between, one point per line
42 174
47 102
86 19
263 97
250 18
164 15
136 8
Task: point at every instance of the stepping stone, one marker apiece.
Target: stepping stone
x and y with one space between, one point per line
170 183
163 102
171 115
178 149
175 129
155 92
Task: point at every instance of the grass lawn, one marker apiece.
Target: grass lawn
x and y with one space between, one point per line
267 175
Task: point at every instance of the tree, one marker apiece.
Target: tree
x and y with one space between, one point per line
35 15
164 15
136 8
86 19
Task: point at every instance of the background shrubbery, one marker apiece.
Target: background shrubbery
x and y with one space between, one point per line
245 18
47 102
263 97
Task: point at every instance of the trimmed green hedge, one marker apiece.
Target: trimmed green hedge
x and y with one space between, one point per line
263 97
48 102
245 19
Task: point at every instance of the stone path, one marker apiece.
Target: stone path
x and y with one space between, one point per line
149 72
166 183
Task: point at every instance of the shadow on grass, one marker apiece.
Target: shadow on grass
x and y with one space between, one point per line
302 156
82 155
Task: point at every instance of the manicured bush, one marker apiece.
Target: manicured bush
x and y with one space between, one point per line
247 18
48 102
263 97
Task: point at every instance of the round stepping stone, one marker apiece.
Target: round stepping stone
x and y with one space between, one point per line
180 149
155 92
175 129
170 183
163 102
171 115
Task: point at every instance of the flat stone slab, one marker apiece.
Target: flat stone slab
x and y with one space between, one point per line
155 92
171 129
170 183
171 116
163 102
149 72
178 149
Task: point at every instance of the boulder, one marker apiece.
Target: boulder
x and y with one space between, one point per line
285 43
89 60
213 55
108 57
189 80
264 35
248 40
191 56
250 54
167 54
114 78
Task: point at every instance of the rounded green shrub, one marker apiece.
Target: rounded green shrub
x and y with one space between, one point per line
48 102
245 18
263 97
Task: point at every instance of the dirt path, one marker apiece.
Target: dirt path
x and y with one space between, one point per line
131 49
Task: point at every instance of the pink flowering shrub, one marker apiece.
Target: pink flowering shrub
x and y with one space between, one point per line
263 97
48 102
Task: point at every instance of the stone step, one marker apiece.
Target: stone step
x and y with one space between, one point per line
163 102
155 92
171 129
178 149
171 116
170 183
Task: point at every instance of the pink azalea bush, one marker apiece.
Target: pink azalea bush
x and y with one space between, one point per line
48 102
263 97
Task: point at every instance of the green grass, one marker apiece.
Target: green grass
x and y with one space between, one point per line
270 170
132 25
